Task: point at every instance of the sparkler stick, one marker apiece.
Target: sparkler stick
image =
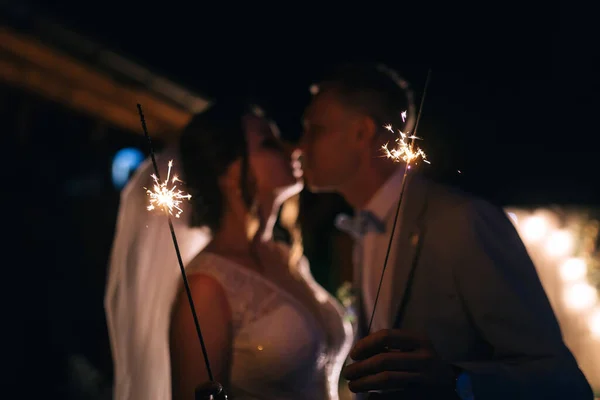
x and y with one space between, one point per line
405 152
169 199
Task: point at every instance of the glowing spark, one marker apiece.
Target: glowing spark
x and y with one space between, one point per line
406 150
403 116
169 199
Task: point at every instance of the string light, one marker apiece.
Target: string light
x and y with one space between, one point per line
580 296
566 259
535 228
559 243
573 270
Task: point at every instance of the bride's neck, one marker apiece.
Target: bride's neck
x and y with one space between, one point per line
232 235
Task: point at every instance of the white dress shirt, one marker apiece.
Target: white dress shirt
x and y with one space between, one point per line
371 251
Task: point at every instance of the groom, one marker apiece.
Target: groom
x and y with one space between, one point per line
462 313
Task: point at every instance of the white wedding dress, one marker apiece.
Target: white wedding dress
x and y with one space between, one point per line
280 349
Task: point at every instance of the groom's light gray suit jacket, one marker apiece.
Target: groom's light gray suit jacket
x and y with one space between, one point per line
463 278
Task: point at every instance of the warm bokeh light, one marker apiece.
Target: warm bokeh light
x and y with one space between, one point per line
534 228
565 257
580 296
573 269
560 243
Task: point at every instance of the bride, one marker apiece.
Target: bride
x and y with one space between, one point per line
270 330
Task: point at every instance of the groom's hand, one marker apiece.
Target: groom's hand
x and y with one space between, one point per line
394 359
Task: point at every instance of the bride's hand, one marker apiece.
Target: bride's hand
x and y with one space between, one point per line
210 391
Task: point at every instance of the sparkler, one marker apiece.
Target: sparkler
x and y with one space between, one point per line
407 153
169 199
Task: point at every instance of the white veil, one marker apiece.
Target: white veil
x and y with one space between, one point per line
142 282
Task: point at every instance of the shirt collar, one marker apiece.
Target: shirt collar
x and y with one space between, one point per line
383 200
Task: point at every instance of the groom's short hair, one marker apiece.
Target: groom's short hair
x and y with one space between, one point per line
375 89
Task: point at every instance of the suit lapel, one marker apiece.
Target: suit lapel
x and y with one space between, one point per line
408 233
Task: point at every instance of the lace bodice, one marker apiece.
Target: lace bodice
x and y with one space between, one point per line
280 349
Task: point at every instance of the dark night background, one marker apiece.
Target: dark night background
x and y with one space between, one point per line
511 105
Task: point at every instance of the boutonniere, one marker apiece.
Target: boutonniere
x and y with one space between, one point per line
347 294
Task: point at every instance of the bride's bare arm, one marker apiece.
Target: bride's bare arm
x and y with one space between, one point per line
188 369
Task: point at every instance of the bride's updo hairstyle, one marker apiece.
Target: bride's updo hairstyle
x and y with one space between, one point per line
208 145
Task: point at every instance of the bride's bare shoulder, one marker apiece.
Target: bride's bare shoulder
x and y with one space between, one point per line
205 262
277 251
206 272
201 258
210 299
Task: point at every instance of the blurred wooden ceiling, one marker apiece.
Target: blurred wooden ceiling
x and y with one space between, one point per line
29 62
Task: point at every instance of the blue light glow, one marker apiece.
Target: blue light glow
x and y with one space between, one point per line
124 164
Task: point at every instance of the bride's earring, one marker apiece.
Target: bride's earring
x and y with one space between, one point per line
252 221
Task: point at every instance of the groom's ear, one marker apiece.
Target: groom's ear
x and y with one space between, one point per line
366 130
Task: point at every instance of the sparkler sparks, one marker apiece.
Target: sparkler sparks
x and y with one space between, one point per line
163 197
406 150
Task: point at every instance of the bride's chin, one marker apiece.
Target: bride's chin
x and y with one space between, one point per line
283 194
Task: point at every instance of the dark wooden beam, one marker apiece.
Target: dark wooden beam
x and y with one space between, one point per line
27 63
